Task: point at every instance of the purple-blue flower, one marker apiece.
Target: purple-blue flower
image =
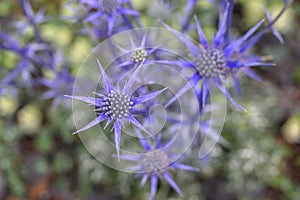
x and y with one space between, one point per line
226 56
31 55
110 10
136 54
156 163
116 105
58 86
33 20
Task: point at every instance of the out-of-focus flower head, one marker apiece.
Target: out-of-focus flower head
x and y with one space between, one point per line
32 20
97 28
116 104
227 56
137 53
111 10
156 163
33 57
58 86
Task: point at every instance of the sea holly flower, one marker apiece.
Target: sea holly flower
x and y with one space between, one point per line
110 9
224 57
137 54
116 105
33 56
33 59
156 163
30 56
58 86
96 28
33 20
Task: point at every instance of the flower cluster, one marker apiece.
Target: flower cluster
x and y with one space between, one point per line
44 68
39 65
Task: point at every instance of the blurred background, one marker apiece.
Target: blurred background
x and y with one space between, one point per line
40 159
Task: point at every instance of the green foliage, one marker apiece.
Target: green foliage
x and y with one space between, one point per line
62 163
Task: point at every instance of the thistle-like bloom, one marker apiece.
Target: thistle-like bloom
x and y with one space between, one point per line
109 9
116 105
33 20
226 56
58 86
156 163
32 56
139 54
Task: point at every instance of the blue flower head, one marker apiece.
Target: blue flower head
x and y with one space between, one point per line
33 56
137 53
58 86
225 56
109 9
29 59
116 105
156 163
33 20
